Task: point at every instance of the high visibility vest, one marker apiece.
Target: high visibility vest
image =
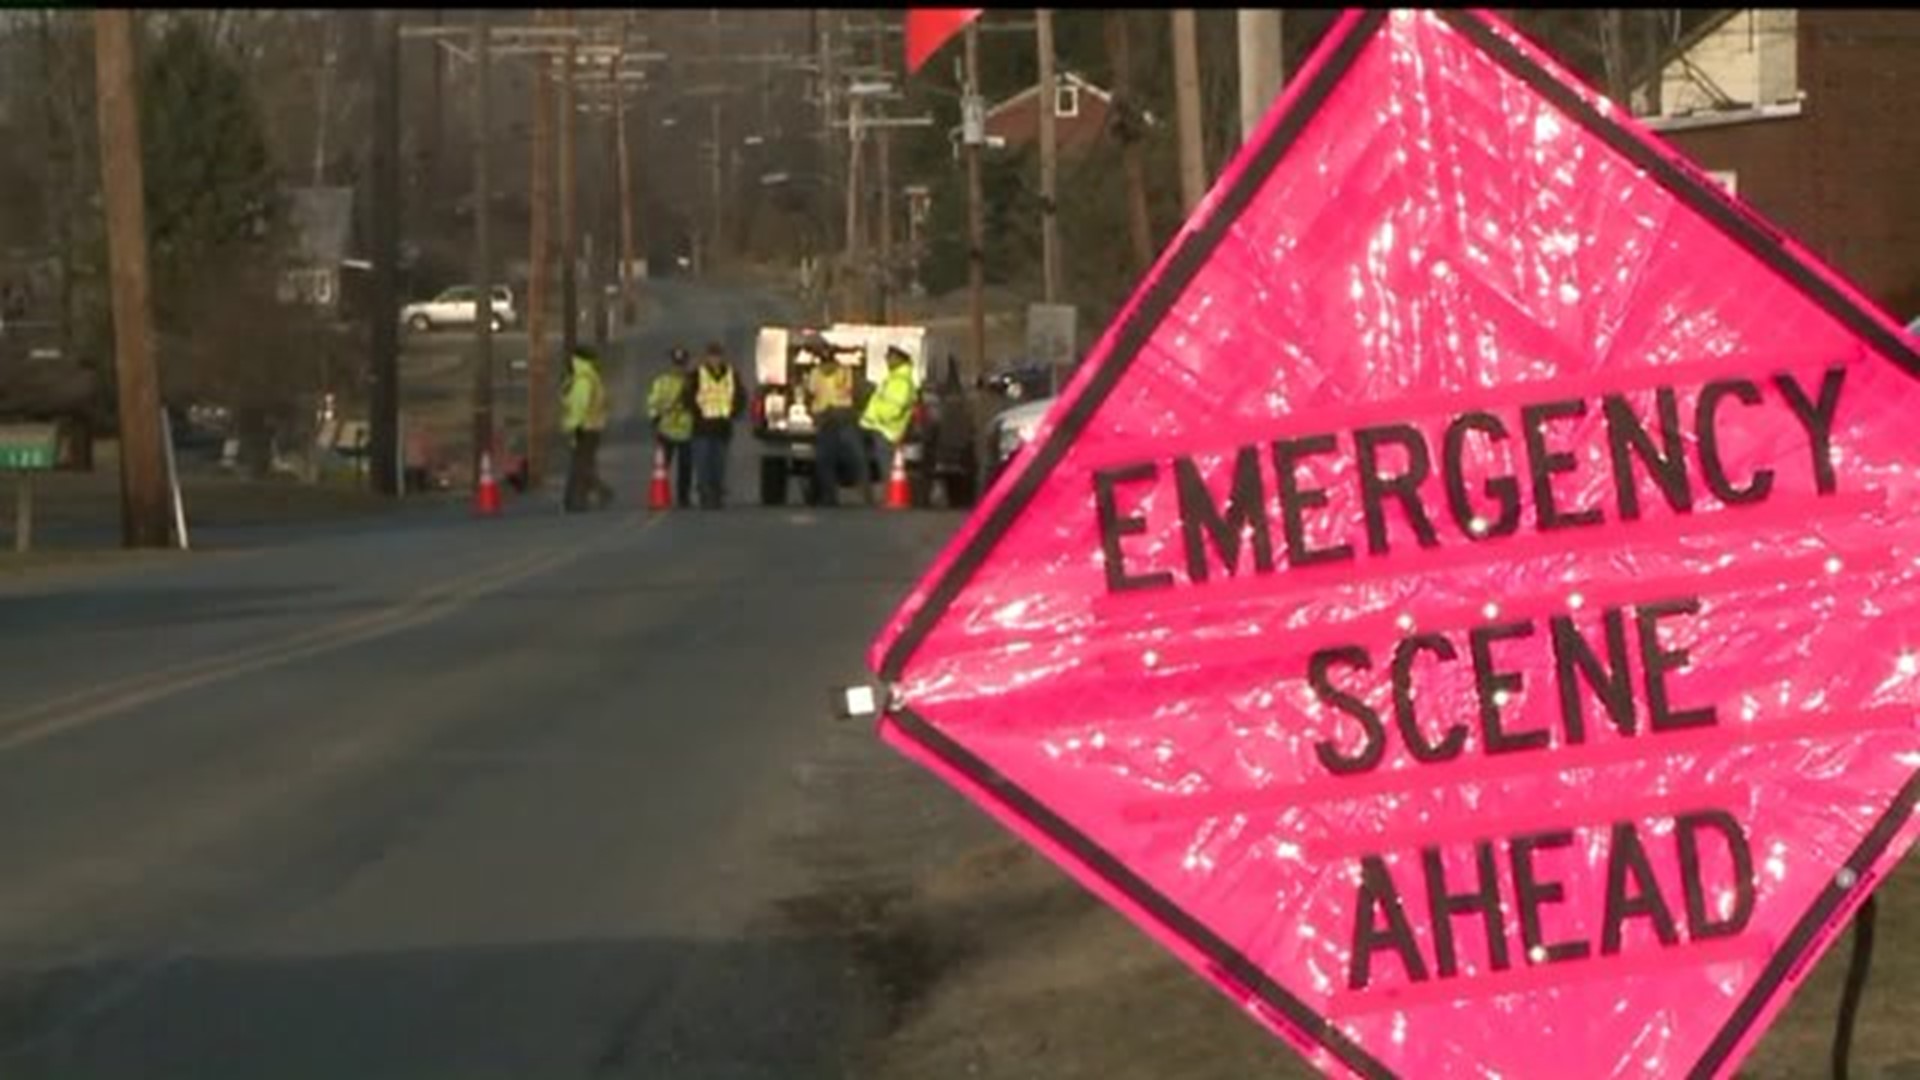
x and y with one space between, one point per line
831 387
666 403
890 409
715 395
597 404
585 399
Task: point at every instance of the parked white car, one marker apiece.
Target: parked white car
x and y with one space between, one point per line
454 307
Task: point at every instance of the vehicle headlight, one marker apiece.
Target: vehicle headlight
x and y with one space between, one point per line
1010 439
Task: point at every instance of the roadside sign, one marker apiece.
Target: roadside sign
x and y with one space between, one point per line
29 447
1465 609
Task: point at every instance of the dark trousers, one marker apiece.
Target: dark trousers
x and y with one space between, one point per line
583 471
836 447
710 469
880 453
679 457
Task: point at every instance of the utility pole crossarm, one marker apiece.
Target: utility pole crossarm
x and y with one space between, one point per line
502 34
867 122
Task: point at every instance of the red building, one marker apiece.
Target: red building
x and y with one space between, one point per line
1813 117
1080 117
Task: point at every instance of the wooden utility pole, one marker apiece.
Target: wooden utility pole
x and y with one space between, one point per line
1613 55
1186 91
1262 64
624 168
1119 55
482 240
143 483
540 193
719 209
626 208
437 124
856 236
829 88
569 220
387 467
882 287
328 58
884 145
606 209
976 228
716 239
1049 161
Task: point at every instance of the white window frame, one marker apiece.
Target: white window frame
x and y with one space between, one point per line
1069 93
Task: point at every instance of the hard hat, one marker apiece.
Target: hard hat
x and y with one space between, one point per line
895 352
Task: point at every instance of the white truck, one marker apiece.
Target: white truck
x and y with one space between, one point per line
783 420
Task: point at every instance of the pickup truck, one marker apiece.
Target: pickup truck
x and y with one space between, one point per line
782 418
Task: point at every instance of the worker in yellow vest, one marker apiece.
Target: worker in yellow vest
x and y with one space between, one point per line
836 430
673 422
890 411
584 398
717 399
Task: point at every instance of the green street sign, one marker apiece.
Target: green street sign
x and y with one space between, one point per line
28 447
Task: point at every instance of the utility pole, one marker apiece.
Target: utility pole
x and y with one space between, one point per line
540 193
143 485
861 285
1139 225
883 180
606 211
1186 90
1262 64
829 85
569 220
327 59
856 239
976 229
719 220
624 167
884 143
384 447
1049 161
429 193
482 250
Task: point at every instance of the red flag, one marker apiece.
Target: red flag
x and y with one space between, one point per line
930 28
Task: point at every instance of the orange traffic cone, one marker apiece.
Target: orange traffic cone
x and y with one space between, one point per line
486 496
660 496
898 497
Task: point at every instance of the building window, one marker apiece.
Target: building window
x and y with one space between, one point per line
1066 100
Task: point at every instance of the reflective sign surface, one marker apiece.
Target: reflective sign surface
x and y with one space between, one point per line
1467 606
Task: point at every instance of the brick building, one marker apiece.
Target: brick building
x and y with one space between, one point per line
1080 117
1813 117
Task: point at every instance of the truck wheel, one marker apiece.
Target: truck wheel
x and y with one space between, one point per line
773 481
961 493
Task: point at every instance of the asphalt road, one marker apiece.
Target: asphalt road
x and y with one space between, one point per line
435 797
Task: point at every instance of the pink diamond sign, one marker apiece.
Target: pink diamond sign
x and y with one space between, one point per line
1468 604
